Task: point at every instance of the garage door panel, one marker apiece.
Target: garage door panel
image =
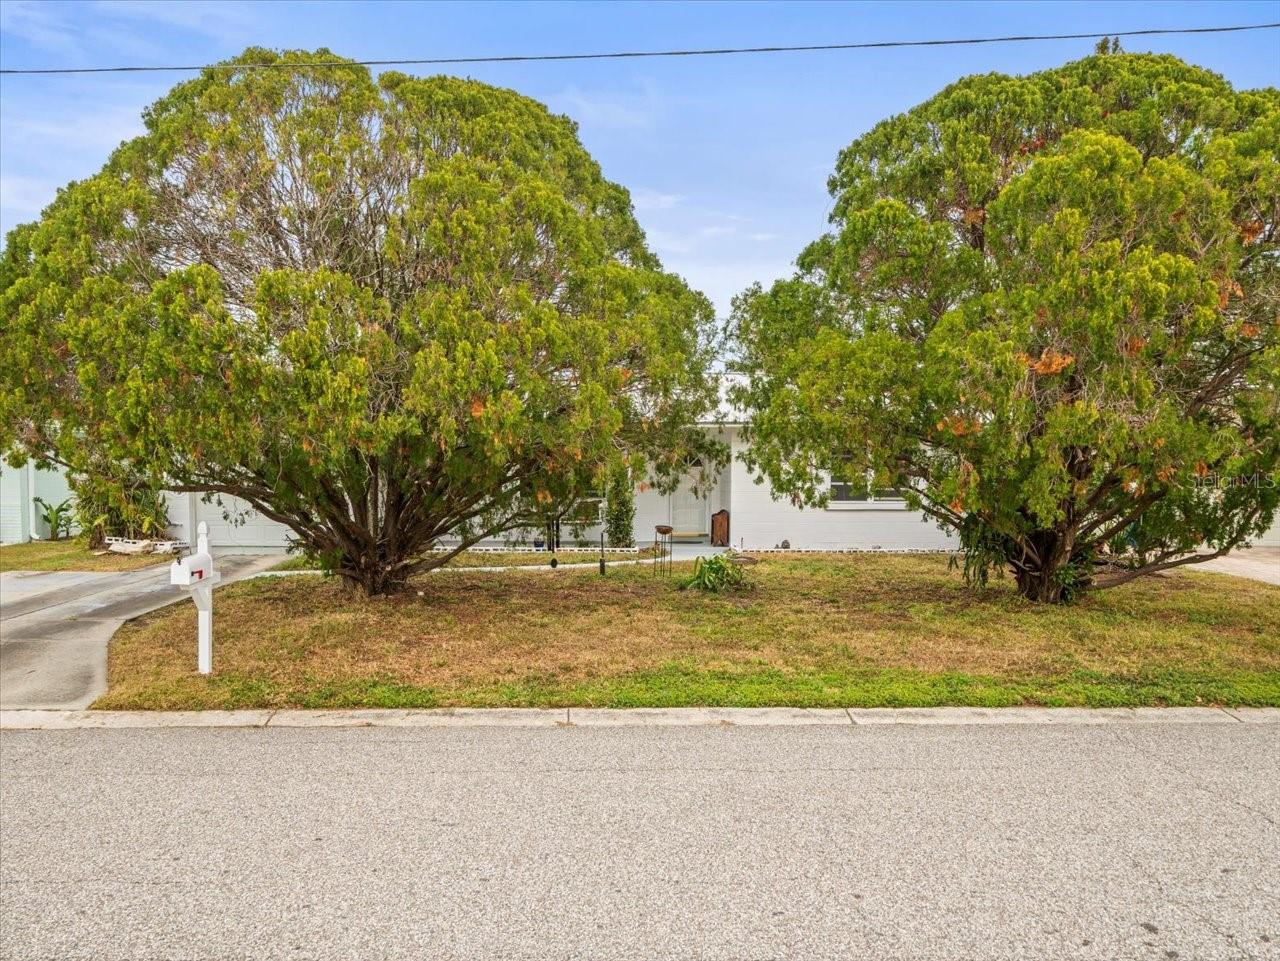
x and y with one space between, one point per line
233 523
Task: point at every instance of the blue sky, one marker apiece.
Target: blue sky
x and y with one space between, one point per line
726 157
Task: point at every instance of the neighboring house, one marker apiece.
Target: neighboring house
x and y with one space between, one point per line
19 512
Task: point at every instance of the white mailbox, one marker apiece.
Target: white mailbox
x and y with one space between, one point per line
192 569
195 573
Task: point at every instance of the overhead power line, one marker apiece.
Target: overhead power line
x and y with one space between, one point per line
637 54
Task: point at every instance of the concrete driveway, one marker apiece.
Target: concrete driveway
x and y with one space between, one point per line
1258 563
54 627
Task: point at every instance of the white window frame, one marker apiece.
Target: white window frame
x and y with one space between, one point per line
870 504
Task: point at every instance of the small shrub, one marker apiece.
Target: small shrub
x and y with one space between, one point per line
56 516
714 575
620 510
113 501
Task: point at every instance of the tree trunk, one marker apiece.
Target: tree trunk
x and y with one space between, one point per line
1056 573
374 573
1041 585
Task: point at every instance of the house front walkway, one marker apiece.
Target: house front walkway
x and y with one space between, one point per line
687 552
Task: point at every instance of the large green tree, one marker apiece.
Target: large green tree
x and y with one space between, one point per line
381 311
1048 308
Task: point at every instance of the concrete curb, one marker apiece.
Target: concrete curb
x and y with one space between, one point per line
37 720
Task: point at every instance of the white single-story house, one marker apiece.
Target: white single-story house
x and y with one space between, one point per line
758 521
755 520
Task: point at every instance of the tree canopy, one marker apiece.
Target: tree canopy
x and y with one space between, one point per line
382 311
1048 308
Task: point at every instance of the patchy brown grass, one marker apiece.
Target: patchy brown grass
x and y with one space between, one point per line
849 629
71 554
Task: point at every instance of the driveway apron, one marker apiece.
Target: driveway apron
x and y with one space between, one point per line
55 626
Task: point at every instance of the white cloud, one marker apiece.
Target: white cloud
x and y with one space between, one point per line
668 242
617 111
647 200
723 280
716 251
98 128
24 197
42 25
55 28
59 137
224 21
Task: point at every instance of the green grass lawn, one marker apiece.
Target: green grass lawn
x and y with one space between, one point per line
849 630
71 554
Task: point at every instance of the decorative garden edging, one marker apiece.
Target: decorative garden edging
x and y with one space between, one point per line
595 565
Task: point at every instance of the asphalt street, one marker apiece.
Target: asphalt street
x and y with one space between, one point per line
1146 841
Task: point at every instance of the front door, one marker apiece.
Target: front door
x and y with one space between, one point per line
688 512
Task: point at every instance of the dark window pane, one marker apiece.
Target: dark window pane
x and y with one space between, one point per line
845 491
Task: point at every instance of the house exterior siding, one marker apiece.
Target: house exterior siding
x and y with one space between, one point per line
757 521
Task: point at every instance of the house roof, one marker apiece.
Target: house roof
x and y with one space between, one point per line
727 414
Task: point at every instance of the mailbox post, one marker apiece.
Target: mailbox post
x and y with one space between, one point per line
195 573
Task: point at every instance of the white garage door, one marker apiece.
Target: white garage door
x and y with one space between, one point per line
234 524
